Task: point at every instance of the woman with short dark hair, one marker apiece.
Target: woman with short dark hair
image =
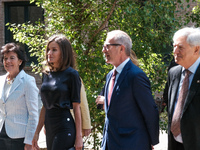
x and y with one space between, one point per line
18 101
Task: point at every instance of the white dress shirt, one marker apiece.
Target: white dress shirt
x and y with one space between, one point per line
192 69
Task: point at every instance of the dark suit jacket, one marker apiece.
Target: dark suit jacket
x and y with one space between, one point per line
190 120
132 120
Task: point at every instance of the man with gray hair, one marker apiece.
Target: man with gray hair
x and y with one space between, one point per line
184 92
132 120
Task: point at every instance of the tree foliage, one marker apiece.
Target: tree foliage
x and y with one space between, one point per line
194 15
150 23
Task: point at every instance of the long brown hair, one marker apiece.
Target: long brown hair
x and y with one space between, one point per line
67 54
133 58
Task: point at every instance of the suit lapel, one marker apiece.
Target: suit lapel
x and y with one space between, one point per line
174 87
119 81
193 88
123 74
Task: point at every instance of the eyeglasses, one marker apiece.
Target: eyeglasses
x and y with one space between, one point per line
106 46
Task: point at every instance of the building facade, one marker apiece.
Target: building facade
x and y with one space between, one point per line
18 11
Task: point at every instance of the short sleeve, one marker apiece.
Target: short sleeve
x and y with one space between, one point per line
75 87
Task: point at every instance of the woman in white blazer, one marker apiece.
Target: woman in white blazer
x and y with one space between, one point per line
18 101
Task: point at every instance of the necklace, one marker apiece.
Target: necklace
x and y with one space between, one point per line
9 81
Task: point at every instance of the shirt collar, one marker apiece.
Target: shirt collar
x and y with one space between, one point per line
121 66
194 66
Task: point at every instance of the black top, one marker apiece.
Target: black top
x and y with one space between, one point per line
59 89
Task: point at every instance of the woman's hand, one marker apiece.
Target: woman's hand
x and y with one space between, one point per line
39 127
78 143
77 114
28 147
34 142
86 132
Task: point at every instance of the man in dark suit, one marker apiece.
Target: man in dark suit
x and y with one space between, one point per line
184 107
132 120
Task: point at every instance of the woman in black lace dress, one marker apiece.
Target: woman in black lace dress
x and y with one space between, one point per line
60 91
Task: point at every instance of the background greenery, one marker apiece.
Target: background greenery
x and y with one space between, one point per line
150 24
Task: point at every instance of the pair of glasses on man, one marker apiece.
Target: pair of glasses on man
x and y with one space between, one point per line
107 46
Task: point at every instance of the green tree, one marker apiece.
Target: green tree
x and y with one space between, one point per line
194 15
86 22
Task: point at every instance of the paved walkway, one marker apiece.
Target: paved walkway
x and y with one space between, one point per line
163 142
42 140
161 146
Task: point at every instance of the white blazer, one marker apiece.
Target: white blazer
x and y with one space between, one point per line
20 110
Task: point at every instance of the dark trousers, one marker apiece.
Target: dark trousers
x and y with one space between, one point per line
179 146
60 129
173 144
106 146
6 143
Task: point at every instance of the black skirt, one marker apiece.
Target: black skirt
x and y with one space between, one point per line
60 129
7 143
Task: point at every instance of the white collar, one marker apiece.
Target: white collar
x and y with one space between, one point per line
121 66
194 66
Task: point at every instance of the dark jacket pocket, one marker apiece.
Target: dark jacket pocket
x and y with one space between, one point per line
124 131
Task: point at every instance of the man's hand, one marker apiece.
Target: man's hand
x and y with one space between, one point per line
100 99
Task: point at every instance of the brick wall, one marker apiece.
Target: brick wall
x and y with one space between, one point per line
38 79
2 22
189 10
27 69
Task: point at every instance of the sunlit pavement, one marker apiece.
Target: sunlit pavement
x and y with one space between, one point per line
161 146
42 140
163 142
